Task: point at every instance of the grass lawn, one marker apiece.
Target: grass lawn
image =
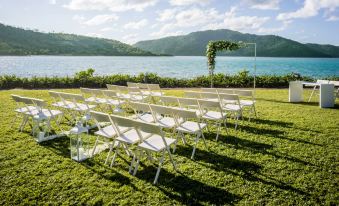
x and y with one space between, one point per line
287 156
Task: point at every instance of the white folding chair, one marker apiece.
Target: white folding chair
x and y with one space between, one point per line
136 94
213 90
154 142
225 90
126 139
315 88
212 111
189 127
189 103
122 92
231 103
249 101
113 101
108 132
132 84
25 109
142 112
165 113
212 96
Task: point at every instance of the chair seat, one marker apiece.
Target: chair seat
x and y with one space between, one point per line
155 143
157 93
114 102
26 109
109 131
47 114
247 102
145 117
138 98
83 107
62 104
90 99
131 136
213 115
232 107
166 122
145 92
124 96
191 127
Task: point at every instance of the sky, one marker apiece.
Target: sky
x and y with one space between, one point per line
129 21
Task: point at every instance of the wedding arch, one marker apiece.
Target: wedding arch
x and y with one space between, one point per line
213 47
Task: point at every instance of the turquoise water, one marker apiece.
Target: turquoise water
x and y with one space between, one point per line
183 67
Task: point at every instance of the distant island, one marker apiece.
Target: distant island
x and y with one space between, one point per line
17 41
194 44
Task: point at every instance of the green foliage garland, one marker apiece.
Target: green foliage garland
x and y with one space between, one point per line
211 52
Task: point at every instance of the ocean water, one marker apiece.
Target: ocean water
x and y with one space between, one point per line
182 67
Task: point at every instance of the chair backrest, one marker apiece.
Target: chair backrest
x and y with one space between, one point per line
54 94
207 104
229 97
134 90
323 81
39 103
183 113
159 109
27 100
100 116
120 121
143 86
166 100
85 90
110 93
16 98
140 107
153 87
214 90
97 92
112 87
72 97
122 89
148 128
132 84
187 102
225 91
244 93
210 95
192 94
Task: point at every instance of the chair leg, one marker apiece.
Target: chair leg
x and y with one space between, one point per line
218 130
195 145
171 158
175 146
314 88
132 163
137 163
115 154
109 152
255 111
94 148
159 168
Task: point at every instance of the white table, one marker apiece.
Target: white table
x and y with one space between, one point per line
326 97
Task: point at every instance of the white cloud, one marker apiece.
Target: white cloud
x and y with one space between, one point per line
238 23
52 2
273 30
310 8
167 14
161 34
333 18
264 4
101 19
130 38
195 17
189 2
136 24
113 5
107 29
78 18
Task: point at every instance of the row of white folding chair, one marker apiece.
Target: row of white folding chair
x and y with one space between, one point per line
35 109
177 119
224 99
229 103
322 81
75 104
129 93
128 133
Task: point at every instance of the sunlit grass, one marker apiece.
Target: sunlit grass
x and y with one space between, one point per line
288 155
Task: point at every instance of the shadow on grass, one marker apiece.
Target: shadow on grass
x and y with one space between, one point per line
272 122
216 161
186 190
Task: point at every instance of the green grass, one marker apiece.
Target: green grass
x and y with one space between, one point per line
287 156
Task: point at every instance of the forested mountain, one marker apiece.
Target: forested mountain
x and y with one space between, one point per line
194 44
17 41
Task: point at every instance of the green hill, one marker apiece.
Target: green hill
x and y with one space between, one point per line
17 41
194 44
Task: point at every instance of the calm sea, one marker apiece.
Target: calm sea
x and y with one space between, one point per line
183 67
